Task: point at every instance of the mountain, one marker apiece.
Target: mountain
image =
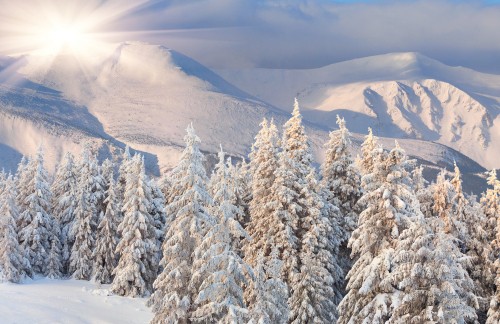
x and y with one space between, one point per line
402 95
145 95
142 95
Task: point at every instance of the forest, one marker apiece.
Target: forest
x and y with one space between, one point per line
269 239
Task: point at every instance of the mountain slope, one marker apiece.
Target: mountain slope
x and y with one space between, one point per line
404 95
142 95
145 95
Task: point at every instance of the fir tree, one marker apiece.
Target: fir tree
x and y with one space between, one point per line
64 194
219 273
22 179
286 201
35 223
122 173
367 161
340 186
271 302
263 224
137 266
190 222
429 269
472 227
222 189
431 274
313 298
491 203
107 172
55 265
12 261
82 232
157 211
241 177
371 295
104 255
302 232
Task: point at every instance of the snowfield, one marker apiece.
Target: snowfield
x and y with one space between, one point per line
68 301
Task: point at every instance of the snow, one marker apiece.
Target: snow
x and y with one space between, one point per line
68 301
399 95
145 95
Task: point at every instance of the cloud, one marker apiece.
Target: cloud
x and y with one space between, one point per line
312 33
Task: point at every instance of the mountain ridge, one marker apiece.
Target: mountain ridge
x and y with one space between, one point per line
403 95
144 95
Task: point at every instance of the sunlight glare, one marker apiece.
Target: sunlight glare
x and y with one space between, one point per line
66 38
53 27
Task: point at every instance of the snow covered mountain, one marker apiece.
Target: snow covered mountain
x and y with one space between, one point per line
403 95
145 95
142 95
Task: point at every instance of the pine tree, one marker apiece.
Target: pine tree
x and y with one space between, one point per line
64 194
429 270
341 178
35 222
472 227
157 211
137 266
313 297
271 302
222 189
491 203
82 232
340 186
12 261
263 224
491 207
286 200
431 274
104 255
22 179
370 293
122 173
300 230
55 264
107 172
367 161
190 221
241 177
3 178
219 273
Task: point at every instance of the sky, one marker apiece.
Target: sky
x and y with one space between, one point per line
299 33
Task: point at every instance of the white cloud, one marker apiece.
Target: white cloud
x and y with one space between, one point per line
317 32
311 33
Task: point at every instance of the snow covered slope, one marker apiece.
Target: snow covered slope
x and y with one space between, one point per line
45 301
404 95
140 94
145 95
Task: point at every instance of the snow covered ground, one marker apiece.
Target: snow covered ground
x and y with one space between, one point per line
67 301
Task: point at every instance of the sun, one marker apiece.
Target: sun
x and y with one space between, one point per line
66 38
78 27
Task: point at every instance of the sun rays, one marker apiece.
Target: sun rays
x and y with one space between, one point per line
53 27
84 31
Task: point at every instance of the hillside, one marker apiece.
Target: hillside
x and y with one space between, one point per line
401 95
145 95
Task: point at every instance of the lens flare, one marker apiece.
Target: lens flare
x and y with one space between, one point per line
52 27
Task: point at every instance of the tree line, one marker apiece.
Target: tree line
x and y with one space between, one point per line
364 240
